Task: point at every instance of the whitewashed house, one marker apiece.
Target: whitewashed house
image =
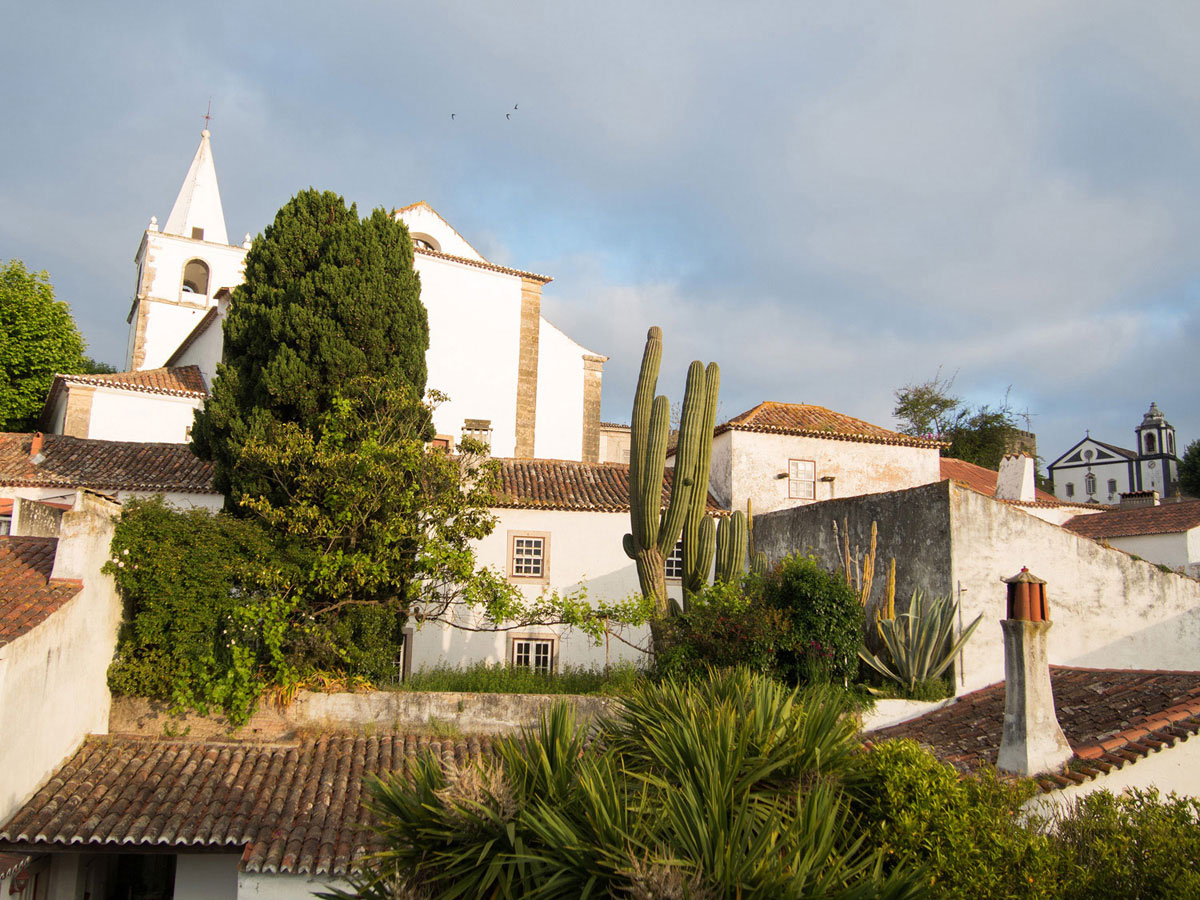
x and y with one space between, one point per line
1167 534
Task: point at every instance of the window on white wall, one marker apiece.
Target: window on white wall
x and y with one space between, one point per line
802 479
195 277
1089 483
1112 486
1070 489
674 563
531 652
529 556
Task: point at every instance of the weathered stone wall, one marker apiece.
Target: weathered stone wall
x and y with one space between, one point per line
370 711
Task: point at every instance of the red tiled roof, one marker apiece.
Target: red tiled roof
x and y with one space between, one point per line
1111 717
183 381
483 264
566 484
983 481
28 595
102 465
291 808
1168 518
817 421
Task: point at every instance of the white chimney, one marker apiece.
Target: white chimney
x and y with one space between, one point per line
1033 740
1016 479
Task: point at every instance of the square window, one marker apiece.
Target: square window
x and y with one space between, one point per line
1070 489
674 563
534 653
529 556
802 479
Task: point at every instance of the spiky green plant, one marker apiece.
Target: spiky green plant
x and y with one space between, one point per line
731 547
653 533
728 785
919 642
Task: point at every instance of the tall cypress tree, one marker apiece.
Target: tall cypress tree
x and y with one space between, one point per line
328 299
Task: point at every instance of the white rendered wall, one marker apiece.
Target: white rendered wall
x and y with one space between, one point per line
206 876
161 260
53 679
1166 549
614 445
559 427
260 886
752 463
585 553
120 415
1108 609
205 351
1076 473
424 223
474 342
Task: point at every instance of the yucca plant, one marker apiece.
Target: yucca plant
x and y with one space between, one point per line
919 642
728 785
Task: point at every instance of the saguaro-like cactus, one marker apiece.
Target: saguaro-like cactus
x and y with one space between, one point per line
700 539
732 538
655 533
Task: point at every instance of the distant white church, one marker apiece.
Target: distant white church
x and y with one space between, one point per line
1094 471
512 378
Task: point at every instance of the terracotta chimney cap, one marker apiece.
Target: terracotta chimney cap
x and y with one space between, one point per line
35 448
1023 577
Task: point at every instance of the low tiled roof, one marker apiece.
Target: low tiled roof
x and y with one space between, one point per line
1168 518
102 465
817 421
28 595
983 480
566 484
182 381
291 808
1111 717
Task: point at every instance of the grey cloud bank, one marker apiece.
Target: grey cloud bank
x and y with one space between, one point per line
830 203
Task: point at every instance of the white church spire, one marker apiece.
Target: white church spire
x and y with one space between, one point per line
197 211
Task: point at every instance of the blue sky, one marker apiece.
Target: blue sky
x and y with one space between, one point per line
830 200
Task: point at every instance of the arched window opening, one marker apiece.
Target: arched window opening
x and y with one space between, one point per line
424 241
1089 483
195 277
1150 443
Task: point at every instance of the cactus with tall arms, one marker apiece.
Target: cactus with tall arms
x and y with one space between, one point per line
699 532
731 547
654 533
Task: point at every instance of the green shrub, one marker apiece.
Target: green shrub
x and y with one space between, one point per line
205 618
1136 845
725 625
966 833
826 619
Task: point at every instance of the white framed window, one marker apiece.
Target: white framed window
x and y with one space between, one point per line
533 652
802 479
673 564
1089 483
529 556
1112 486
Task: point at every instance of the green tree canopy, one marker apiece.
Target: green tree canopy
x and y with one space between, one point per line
38 338
979 435
1189 470
328 298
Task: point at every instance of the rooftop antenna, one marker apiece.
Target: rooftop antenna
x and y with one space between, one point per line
208 114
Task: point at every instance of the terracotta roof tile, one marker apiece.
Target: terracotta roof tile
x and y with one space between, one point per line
1167 518
292 808
102 465
983 481
1111 717
482 264
184 381
817 421
28 595
567 484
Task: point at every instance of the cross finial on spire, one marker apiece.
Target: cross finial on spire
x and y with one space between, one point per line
208 114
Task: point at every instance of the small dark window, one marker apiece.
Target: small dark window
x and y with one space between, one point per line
1112 486
1150 443
1070 489
197 234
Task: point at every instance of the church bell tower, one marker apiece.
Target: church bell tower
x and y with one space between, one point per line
181 267
1157 465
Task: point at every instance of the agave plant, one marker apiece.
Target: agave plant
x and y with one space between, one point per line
918 642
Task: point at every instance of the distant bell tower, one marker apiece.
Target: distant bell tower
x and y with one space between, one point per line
181 268
1157 465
